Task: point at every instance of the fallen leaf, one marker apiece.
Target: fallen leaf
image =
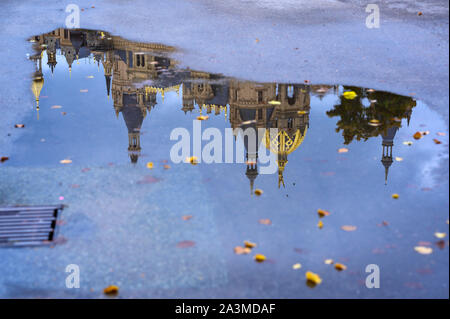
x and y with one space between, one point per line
249 244
441 244
425 133
440 235
343 150
322 213
395 196
436 141
260 258
149 165
56 107
349 95
273 102
193 160
111 290
419 13
186 217
423 250
409 143
65 161
320 224
257 40
19 125
339 267
166 166
440 133
348 228
239 250
398 159
186 244
3 159
417 135
296 266
90 77
258 192
202 117
328 261
265 221
302 112
63 113
313 278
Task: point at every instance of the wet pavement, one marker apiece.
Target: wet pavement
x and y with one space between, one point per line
109 106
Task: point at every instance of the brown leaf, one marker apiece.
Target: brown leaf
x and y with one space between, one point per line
111 290
186 244
19 125
340 267
436 141
322 213
343 150
249 244
3 159
239 250
348 228
186 217
265 221
441 244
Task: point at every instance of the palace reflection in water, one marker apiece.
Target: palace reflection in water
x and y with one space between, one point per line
136 73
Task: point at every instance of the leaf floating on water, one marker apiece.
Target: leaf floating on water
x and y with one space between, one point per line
149 165
301 112
83 90
111 290
19 125
296 266
260 258
349 95
186 217
258 192
440 235
340 267
312 278
166 166
417 135
441 244
423 250
322 213
395 196
65 161
328 261
348 228
193 160
440 133
436 141
343 150
398 159
273 102
239 250
90 77
202 117
265 221
56 107
320 224
370 90
3 159
409 143
249 244
186 244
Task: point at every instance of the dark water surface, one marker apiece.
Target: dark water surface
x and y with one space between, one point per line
109 105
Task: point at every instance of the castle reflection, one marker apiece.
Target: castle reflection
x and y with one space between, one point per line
136 73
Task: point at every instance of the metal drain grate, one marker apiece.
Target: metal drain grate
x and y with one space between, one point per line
28 225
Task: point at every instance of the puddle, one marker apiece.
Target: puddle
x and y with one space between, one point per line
109 105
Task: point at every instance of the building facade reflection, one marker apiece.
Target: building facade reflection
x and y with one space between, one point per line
137 73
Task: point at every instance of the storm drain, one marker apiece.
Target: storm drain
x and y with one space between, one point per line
28 225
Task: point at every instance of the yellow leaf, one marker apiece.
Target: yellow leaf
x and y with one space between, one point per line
343 150
296 266
193 160
340 267
320 224
150 165
313 278
90 77
322 213
258 192
111 290
423 250
249 244
395 196
398 159
273 102
65 161
349 95
440 235
409 143
328 261
202 117
260 258
301 112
